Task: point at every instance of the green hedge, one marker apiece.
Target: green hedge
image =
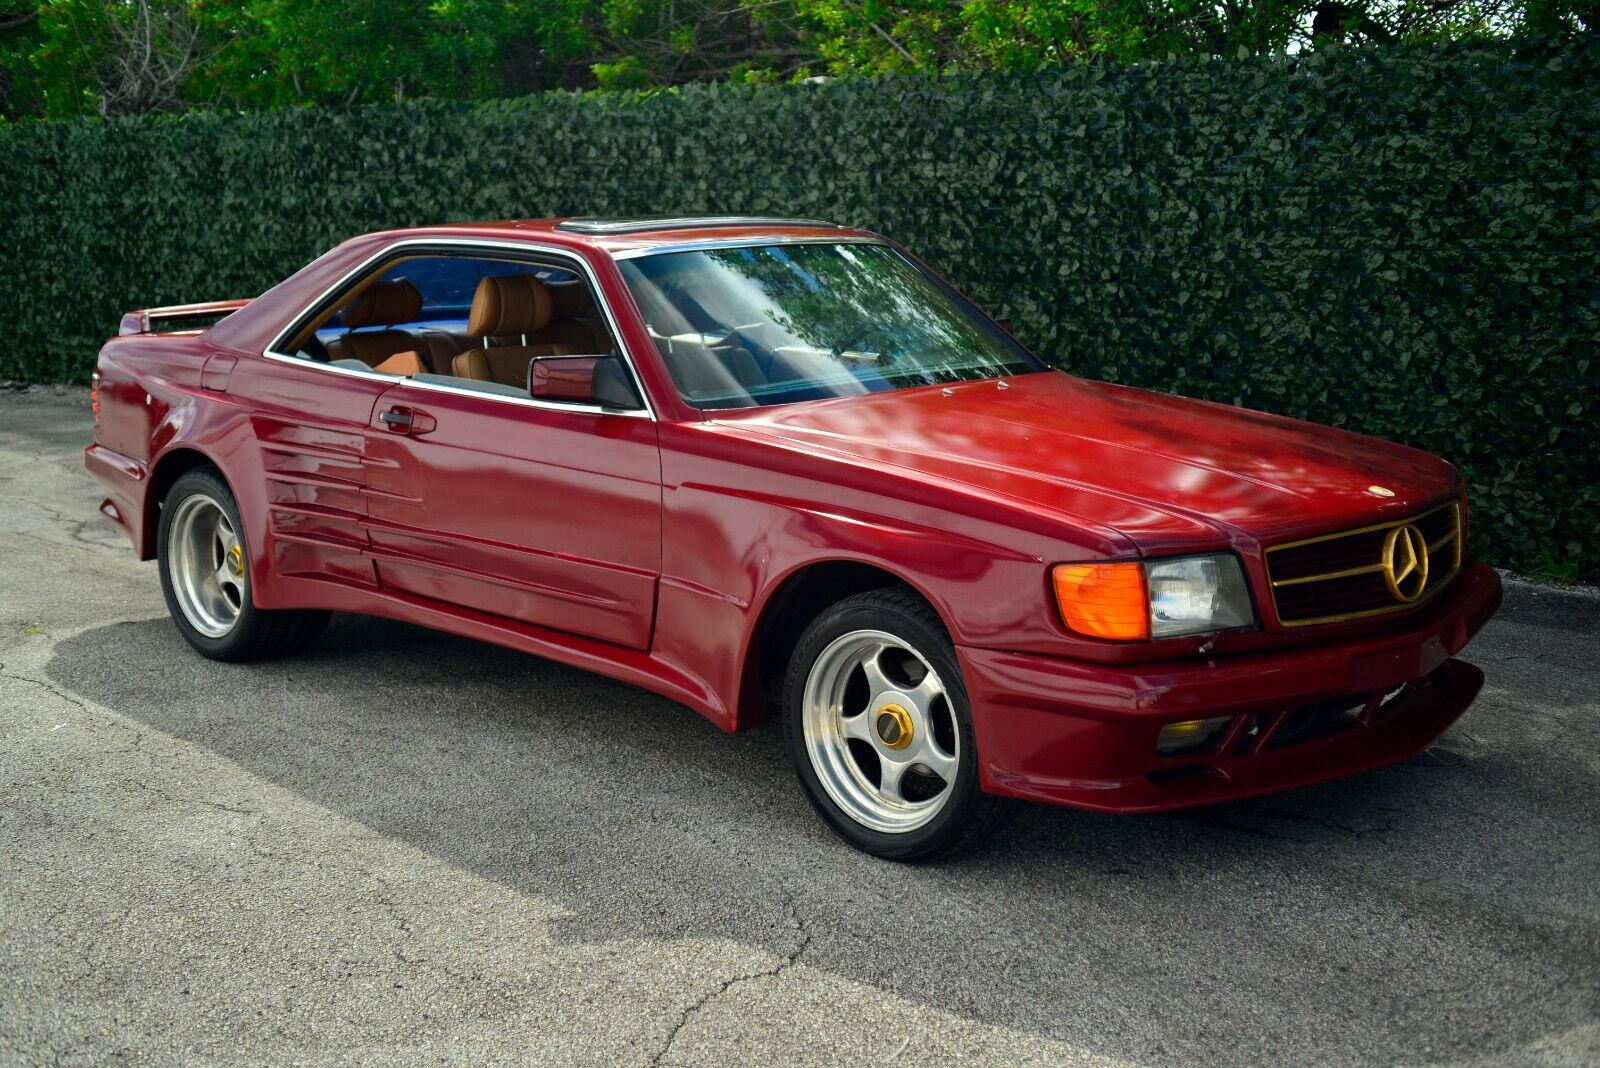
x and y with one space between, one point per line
1404 242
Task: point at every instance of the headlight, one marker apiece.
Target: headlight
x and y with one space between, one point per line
1191 594
1154 598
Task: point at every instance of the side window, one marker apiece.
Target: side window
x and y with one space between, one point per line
445 285
479 322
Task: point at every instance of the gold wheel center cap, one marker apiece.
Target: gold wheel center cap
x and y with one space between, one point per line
236 560
893 725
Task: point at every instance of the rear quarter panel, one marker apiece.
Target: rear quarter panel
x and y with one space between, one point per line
148 386
161 407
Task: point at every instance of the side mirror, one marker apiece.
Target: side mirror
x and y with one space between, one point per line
597 380
1005 324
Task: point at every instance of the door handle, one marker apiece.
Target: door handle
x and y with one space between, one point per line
403 420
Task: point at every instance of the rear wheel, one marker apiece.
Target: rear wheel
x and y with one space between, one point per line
205 576
879 729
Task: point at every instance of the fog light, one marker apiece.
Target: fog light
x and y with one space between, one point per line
1191 736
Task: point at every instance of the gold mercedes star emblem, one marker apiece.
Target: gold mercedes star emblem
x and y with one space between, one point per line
1405 563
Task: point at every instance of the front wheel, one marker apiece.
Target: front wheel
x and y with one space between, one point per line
205 576
880 732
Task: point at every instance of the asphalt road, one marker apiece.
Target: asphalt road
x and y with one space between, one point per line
410 848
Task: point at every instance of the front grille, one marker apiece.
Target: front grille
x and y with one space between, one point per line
1363 572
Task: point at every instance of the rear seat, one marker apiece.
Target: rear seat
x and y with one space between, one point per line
389 304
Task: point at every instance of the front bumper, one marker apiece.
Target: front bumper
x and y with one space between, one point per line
1075 733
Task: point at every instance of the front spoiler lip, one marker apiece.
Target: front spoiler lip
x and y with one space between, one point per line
1081 734
1408 728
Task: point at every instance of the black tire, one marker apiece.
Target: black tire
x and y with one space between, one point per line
255 634
969 815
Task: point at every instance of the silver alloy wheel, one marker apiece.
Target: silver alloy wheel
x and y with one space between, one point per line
870 688
205 561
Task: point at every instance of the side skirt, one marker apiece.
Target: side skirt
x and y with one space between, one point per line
614 661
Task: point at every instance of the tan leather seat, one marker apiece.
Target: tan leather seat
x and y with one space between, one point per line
703 371
389 304
403 363
514 305
574 321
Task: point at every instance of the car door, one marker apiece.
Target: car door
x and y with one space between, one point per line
517 508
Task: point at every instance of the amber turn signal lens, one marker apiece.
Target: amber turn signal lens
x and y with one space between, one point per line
1103 600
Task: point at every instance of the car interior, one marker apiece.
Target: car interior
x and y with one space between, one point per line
469 323
713 363
775 324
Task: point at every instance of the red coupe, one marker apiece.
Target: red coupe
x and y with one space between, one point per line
761 465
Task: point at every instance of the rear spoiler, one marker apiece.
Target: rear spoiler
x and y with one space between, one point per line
152 319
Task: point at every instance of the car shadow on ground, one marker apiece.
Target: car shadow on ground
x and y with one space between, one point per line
1398 916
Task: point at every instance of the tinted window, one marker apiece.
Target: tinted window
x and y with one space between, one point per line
778 323
448 283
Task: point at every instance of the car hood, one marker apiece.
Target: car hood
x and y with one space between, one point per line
1160 470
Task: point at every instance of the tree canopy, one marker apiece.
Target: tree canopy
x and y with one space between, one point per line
86 57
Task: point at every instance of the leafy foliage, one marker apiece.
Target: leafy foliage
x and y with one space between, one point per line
60 58
1402 241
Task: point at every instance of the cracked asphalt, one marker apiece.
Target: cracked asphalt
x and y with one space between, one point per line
407 848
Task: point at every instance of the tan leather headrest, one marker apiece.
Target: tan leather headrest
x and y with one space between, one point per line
384 304
403 363
509 304
570 300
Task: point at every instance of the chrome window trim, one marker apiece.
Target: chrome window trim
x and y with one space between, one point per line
746 242
531 402
350 372
601 226
471 244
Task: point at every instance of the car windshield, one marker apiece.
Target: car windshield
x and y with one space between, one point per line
771 324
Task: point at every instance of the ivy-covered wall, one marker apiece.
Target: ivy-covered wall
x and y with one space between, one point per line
1405 242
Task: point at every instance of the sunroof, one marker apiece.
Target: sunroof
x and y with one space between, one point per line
666 222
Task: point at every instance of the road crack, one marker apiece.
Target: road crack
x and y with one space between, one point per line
385 897
76 529
45 686
1352 829
138 741
784 964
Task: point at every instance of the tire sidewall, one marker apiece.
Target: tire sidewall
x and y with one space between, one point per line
205 482
950 822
